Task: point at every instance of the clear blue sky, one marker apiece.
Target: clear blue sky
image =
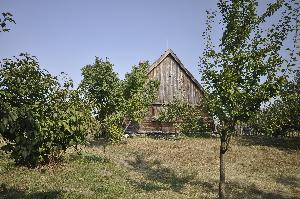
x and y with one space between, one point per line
67 35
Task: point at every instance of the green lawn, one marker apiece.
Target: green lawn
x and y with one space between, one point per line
149 168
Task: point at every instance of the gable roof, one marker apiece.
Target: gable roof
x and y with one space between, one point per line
172 54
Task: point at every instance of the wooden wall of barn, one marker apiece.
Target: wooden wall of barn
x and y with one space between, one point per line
174 83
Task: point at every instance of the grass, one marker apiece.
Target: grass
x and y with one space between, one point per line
156 168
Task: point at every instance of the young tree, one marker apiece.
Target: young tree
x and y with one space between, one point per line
102 87
246 68
117 103
139 92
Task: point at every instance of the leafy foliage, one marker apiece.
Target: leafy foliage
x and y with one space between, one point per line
283 115
7 17
188 119
139 92
247 68
39 117
244 72
117 103
102 87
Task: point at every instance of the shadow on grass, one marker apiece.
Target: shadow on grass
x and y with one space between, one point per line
158 177
99 142
238 190
280 143
14 193
289 181
88 158
7 165
103 143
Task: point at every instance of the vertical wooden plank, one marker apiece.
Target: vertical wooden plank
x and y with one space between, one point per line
166 65
160 83
196 90
174 90
180 83
199 96
189 90
164 80
171 79
192 92
154 72
176 80
183 86
195 96
155 77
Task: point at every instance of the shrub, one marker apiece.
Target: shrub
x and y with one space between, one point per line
188 119
39 117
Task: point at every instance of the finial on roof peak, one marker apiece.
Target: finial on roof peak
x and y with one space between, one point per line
169 50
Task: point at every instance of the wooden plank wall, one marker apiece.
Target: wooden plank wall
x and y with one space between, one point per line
174 83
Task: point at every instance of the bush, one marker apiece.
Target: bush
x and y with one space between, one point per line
39 117
188 119
283 115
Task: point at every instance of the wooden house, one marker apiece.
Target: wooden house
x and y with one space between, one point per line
175 82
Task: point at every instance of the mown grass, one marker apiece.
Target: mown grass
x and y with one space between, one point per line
156 168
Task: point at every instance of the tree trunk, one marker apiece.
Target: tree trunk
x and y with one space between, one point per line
222 168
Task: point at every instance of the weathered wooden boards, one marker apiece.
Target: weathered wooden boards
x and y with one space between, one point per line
175 82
